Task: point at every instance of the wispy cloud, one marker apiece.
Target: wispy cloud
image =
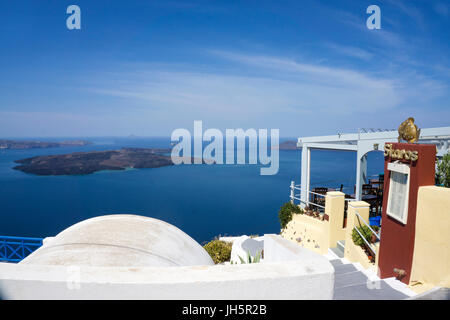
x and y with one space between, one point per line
350 51
408 9
259 85
307 72
311 63
268 84
402 41
237 90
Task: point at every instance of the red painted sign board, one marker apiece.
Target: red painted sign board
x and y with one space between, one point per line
406 168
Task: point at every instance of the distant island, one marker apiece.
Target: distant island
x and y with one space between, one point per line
19 144
287 145
89 162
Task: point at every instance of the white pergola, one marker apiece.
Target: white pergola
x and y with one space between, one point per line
362 142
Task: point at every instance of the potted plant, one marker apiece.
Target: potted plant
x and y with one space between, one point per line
373 236
443 171
286 212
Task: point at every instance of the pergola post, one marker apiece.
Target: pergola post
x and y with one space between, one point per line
361 173
306 171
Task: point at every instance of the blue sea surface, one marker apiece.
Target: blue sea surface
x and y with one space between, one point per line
202 200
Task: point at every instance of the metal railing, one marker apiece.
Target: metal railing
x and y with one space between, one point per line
297 197
346 202
369 245
293 196
15 249
316 204
368 226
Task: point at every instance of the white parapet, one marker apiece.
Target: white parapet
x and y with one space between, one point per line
288 272
244 246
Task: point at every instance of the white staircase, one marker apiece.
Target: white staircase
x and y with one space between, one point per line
353 282
339 249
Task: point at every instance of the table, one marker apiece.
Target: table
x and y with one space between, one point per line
365 197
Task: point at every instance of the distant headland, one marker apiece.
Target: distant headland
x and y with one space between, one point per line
288 145
22 144
89 162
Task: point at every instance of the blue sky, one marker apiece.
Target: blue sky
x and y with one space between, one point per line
149 67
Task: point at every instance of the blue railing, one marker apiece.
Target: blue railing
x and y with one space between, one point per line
15 249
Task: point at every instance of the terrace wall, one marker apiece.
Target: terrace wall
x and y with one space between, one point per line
319 235
431 258
308 232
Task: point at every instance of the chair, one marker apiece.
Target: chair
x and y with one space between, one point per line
318 199
380 192
380 201
378 182
381 182
368 189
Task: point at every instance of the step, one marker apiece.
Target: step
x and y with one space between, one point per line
336 262
338 251
341 244
344 268
437 293
380 291
349 279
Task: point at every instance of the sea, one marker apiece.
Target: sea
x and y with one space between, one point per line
205 201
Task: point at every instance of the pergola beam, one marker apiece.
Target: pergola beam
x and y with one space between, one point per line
332 146
425 134
362 143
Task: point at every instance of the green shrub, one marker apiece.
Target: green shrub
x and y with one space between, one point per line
285 213
365 231
443 171
220 251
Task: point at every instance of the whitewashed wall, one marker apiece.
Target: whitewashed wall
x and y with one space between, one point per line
288 272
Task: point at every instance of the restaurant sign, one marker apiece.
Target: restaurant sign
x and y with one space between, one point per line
400 153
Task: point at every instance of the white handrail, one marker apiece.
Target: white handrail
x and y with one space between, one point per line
317 205
364 239
376 235
319 194
293 197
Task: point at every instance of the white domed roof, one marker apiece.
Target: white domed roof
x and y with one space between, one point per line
121 240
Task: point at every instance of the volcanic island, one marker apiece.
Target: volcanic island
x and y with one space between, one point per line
79 163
